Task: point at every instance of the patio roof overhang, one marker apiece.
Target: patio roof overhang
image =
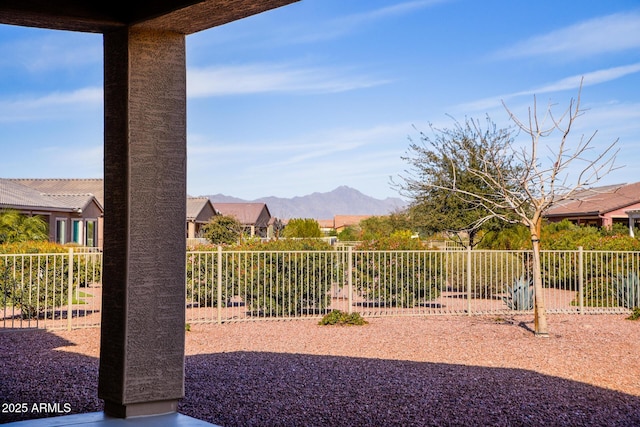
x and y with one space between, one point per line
99 16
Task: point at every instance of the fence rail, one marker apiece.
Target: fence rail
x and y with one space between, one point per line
50 291
63 290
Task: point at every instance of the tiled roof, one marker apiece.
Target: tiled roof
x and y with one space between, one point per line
598 200
326 223
347 220
72 201
16 195
93 186
246 213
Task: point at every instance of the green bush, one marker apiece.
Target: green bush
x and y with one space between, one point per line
34 276
302 228
635 315
337 317
396 272
277 278
599 292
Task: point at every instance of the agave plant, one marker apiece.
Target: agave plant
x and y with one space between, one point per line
628 290
520 295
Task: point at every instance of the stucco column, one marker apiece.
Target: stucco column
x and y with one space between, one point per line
142 332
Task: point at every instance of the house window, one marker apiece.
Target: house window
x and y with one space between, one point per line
61 231
77 232
90 233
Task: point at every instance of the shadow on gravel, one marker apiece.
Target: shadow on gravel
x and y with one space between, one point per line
275 389
34 372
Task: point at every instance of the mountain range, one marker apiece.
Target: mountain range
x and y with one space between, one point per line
341 201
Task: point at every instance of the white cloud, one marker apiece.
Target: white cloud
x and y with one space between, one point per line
346 24
49 105
613 33
568 83
270 78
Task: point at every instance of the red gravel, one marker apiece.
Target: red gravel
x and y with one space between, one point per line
394 371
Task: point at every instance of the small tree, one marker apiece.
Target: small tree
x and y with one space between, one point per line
302 228
518 182
222 229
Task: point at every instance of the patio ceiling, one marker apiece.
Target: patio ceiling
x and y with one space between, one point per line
99 16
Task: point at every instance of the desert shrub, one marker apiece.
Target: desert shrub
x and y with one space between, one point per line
276 278
635 314
628 287
491 271
337 317
284 245
34 277
350 234
511 237
302 228
281 283
396 271
520 296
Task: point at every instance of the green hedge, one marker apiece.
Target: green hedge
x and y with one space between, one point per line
277 278
397 272
34 276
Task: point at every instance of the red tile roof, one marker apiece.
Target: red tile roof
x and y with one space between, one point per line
598 200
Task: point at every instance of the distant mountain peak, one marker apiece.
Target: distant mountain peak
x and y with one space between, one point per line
343 200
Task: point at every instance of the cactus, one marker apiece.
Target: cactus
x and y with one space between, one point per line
520 295
628 290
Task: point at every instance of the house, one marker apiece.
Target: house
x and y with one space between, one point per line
340 222
93 186
254 217
599 206
67 203
73 217
199 211
326 225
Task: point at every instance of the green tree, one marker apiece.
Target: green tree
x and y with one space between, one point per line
350 233
377 227
302 227
15 227
446 162
222 229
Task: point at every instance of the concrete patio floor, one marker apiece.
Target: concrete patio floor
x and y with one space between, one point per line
98 419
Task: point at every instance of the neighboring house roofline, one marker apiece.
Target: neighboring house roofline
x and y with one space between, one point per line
597 201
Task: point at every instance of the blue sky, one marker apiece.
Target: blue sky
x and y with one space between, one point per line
324 93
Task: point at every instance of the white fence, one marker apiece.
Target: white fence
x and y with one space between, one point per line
51 291
64 290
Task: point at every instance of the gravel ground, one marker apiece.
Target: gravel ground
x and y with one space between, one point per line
421 371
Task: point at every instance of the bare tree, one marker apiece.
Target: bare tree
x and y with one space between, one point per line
534 184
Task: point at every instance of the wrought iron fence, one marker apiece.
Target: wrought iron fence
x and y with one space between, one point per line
50 291
236 286
63 290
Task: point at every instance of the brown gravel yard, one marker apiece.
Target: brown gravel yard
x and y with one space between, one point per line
418 371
